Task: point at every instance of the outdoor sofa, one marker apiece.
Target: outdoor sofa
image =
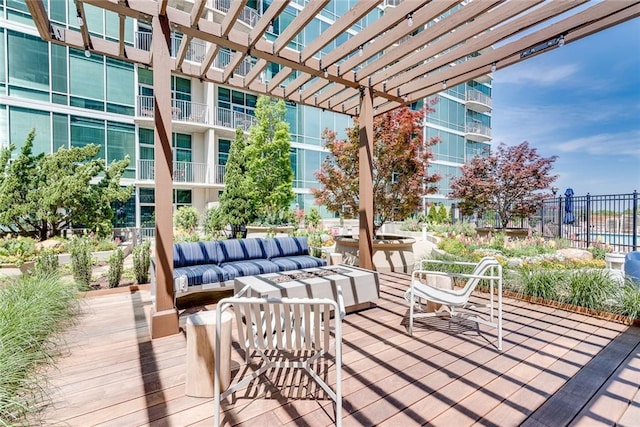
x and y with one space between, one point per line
209 265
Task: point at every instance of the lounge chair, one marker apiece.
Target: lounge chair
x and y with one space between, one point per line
280 330
455 302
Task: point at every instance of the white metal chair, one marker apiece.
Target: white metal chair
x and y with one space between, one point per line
282 329
454 300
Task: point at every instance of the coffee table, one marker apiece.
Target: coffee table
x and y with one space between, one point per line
360 287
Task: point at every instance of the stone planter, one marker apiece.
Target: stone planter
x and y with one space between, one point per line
614 261
515 233
264 231
390 253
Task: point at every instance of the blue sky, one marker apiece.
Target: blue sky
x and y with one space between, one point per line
580 102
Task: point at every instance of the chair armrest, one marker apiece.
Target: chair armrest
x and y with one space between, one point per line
417 273
424 262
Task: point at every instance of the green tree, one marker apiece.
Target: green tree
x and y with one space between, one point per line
268 159
41 194
443 217
238 202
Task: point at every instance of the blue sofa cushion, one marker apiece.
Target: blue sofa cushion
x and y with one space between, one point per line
188 253
210 248
240 249
201 274
286 246
298 262
249 268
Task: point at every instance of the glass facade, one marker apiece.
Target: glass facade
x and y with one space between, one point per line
72 100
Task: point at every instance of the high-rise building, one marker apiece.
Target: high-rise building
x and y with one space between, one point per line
74 97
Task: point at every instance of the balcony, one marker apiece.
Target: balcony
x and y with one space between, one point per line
224 58
477 132
197 174
187 116
195 52
232 119
477 101
248 15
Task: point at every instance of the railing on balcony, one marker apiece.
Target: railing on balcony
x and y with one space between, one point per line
232 119
180 110
248 15
185 172
473 95
223 59
478 129
195 52
143 40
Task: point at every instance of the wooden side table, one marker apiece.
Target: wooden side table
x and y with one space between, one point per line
201 336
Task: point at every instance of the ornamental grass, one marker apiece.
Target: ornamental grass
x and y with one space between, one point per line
34 310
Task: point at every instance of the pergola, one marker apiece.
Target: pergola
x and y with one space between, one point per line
413 50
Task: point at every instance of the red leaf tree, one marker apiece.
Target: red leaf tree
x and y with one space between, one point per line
400 162
509 181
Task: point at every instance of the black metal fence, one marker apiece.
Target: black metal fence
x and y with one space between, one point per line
611 220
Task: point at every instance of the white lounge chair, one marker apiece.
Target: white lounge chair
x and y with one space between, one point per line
282 329
423 288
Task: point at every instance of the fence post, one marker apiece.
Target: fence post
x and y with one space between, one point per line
588 242
634 232
560 216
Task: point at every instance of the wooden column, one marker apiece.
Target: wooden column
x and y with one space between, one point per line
164 315
365 157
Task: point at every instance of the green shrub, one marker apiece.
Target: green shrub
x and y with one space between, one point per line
214 222
442 215
46 263
81 261
541 283
630 300
17 250
186 218
142 261
411 224
432 215
116 261
312 218
591 289
34 309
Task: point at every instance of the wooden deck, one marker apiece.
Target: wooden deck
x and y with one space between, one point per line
557 368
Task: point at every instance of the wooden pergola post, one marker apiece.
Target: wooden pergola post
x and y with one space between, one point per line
164 315
365 157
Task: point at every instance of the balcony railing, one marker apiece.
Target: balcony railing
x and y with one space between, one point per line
180 110
223 59
185 172
195 52
477 96
248 15
478 129
232 119
478 101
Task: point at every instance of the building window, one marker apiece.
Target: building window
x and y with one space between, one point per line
22 121
236 100
28 58
224 147
86 131
121 143
86 92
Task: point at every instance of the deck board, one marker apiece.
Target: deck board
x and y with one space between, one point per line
556 368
